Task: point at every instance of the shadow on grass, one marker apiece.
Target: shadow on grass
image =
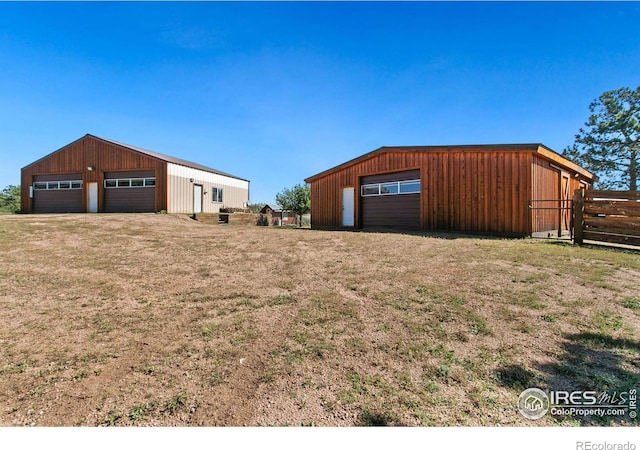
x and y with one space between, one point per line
515 377
449 235
375 419
595 362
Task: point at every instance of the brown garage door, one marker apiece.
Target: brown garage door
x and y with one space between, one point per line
129 191
391 200
60 193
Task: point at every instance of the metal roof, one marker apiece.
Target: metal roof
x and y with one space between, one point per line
274 208
537 148
167 158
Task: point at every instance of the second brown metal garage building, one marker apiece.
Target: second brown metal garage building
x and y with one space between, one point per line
94 174
470 188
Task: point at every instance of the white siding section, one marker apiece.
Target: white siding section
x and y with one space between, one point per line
235 192
202 176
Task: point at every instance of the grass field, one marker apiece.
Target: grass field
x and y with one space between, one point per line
160 320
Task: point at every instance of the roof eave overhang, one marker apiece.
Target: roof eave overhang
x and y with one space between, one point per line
554 157
346 164
539 149
142 152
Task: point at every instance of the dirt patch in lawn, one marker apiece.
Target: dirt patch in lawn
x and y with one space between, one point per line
160 320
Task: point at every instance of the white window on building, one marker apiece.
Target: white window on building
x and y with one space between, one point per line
216 195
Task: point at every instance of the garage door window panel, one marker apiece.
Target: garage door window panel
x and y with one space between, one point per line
389 189
129 182
56 185
410 187
392 188
370 189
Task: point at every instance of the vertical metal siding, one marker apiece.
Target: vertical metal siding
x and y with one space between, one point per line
469 191
235 192
546 188
104 157
546 185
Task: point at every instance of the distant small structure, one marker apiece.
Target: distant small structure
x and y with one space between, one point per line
278 215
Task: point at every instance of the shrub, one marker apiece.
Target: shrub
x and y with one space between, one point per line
263 221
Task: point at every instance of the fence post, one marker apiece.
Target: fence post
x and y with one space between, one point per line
530 219
578 216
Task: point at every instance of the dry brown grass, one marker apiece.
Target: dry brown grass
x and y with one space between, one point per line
159 320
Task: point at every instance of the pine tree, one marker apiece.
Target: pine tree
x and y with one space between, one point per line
609 146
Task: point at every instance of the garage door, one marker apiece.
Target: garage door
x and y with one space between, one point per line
391 200
57 193
130 191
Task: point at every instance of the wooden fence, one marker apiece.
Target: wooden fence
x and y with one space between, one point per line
607 216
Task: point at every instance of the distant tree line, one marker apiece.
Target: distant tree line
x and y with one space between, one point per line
10 199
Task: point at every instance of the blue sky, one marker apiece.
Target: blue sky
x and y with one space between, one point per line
277 92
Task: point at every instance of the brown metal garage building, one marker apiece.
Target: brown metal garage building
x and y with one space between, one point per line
472 188
94 174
